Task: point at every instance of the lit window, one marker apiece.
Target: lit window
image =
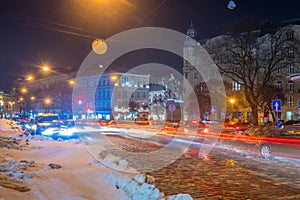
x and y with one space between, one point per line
236 86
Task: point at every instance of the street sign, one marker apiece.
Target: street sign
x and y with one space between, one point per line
276 104
172 107
212 109
279 124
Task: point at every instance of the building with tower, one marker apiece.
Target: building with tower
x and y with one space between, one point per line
276 51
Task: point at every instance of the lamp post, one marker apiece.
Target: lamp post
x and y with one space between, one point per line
11 107
232 102
47 103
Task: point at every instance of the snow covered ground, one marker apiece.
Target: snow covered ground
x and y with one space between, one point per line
41 168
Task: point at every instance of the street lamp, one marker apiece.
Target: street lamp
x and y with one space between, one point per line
23 90
47 101
11 107
46 68
29 78
232 102
71 82
114 77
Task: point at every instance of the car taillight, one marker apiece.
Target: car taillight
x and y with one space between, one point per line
237 128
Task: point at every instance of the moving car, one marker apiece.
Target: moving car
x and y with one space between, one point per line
283 143
240 126
142 121
42 122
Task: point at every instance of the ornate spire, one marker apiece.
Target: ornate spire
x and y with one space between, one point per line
191 31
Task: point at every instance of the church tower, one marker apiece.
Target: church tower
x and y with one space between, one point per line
189 48
190 74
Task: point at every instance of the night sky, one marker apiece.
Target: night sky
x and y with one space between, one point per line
59 33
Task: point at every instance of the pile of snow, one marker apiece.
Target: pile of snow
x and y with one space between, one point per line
12 143
142 186
114 162
9 127
13 173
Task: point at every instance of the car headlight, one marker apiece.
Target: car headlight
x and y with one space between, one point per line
67 132
27 126
49 131
34 127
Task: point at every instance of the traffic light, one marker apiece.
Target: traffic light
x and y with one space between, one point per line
261 120
79 101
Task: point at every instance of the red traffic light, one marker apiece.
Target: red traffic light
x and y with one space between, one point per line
79 100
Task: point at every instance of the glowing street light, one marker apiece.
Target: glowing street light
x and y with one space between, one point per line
232 102
23 90
46 68
32 98
71 82
29 78
47 101
114 77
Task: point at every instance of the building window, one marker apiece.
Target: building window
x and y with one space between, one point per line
291 53
278 70
278 84
291 86
290 100
195 74
290 35
236 86
290 69
124 79
279 55
185 75
185 62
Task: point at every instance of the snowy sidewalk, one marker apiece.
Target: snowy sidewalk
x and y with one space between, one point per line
46 169
78 177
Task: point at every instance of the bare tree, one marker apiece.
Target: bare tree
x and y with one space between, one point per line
250 58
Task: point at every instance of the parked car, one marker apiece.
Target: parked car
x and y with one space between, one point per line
291 122
283 143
